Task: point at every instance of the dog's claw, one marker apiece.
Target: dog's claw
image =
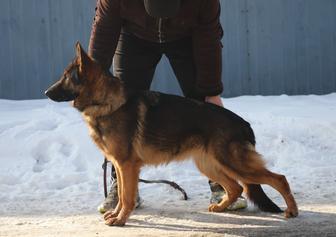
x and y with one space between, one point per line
115 221
290 213
215 208
110 214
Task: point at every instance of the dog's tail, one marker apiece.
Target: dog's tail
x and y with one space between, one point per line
257 195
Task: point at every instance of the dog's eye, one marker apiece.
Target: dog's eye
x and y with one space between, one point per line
74 77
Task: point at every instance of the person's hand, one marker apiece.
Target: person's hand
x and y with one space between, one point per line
214 100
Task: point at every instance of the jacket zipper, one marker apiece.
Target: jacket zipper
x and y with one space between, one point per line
160 31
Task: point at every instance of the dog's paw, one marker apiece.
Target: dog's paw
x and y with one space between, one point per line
290 213
115 221
215 208
110 214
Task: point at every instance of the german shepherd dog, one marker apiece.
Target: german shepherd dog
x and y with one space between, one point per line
136 128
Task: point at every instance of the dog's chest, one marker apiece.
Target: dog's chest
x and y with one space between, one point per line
104 136
95 131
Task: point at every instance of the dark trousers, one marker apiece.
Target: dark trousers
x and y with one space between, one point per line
135 61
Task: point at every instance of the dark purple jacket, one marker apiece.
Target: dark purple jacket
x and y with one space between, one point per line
196 18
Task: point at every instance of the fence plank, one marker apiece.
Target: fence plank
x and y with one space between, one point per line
270 46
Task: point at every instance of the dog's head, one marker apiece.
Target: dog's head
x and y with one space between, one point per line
72 83
87 84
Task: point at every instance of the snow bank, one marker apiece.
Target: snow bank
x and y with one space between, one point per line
48 161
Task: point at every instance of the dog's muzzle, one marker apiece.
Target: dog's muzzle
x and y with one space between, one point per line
58 94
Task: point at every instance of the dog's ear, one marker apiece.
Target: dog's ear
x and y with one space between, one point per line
82 58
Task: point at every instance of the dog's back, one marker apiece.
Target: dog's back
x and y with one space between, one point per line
174 126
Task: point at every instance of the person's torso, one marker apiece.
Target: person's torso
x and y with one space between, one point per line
137 21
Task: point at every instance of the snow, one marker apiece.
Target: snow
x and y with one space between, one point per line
48 161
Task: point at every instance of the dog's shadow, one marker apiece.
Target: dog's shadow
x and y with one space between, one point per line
242 223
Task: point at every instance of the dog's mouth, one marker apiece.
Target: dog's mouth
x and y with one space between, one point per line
58 94
63 97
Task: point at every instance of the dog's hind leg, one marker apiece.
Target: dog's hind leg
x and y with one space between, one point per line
233 191
129 177
215 172
278 182
247 166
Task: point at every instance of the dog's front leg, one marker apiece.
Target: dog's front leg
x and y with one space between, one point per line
115 212
128 181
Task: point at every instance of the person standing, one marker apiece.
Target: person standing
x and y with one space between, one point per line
135 34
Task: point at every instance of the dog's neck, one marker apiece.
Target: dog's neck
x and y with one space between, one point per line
110 99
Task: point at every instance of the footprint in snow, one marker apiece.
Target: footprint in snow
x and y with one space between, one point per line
36 126
50 151
7 127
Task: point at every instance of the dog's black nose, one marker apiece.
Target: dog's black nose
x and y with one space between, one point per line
52 93
55 92
47 93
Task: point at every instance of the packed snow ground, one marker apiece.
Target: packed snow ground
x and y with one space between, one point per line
48 163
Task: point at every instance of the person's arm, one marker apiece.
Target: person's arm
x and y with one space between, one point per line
105 32
207 49
214 100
